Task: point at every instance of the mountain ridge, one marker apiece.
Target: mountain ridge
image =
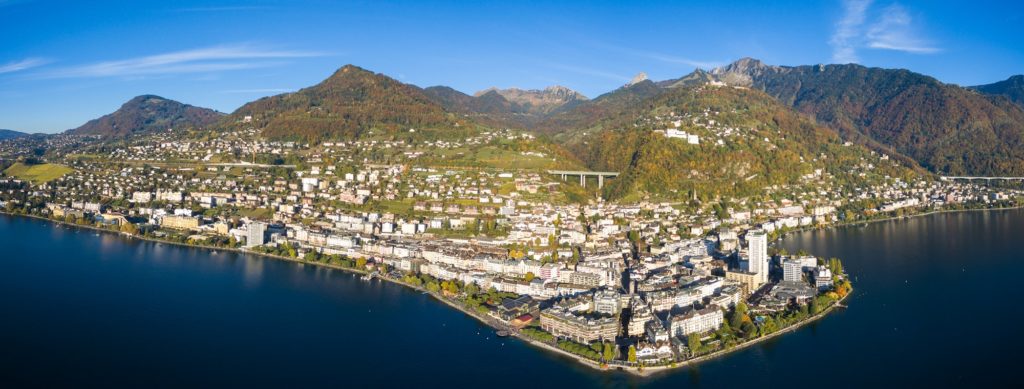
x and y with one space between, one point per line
1012 88
350 103
146 114
11 134
898 110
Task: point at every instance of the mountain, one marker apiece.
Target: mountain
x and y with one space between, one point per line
10 134
538 102
724 141
586 114
489 108
945 128
351 103
698 77
508 108
638 78
1012 88
147 114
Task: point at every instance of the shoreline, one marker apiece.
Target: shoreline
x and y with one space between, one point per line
648 371
892 218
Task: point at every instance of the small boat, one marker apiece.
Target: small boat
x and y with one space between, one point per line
367 277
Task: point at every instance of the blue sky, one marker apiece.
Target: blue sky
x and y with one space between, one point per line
65 62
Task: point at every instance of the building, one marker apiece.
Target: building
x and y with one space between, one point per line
142 197
748 281
640 315
822 278
696 321
607 301
256 234
510 309
180 222
792 271
564 323
757 251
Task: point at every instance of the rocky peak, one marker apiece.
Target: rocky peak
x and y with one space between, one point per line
639 77
742 72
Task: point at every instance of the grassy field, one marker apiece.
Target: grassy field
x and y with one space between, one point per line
37 173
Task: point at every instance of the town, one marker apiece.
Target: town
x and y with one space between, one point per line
637 285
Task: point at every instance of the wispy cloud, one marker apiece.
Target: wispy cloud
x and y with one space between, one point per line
25 64
657 56
892 29
847 32
209 59
258 91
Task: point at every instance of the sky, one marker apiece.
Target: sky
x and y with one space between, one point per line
63 63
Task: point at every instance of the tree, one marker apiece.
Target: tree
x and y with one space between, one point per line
471 289
609 352
693 343
632 354
749 329
633 236
129 228
529 276
835 265
361 263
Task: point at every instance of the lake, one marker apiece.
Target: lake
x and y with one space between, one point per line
932 307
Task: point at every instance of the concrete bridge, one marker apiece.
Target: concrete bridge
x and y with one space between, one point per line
583 176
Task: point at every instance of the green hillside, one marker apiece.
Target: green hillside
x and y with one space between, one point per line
37 173
754 143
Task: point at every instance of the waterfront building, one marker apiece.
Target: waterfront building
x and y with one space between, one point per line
564 323
180 222
696 321
256 234
822 278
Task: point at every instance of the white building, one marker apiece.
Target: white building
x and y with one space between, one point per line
757 251
792 271
256 234
696 321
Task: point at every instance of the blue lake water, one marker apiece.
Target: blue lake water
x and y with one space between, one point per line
934 306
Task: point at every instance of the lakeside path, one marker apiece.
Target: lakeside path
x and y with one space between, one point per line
647 371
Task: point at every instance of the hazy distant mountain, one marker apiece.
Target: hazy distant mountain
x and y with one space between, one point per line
11 134
1012 88
513 108
348 104
538 102
148 113
946 128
